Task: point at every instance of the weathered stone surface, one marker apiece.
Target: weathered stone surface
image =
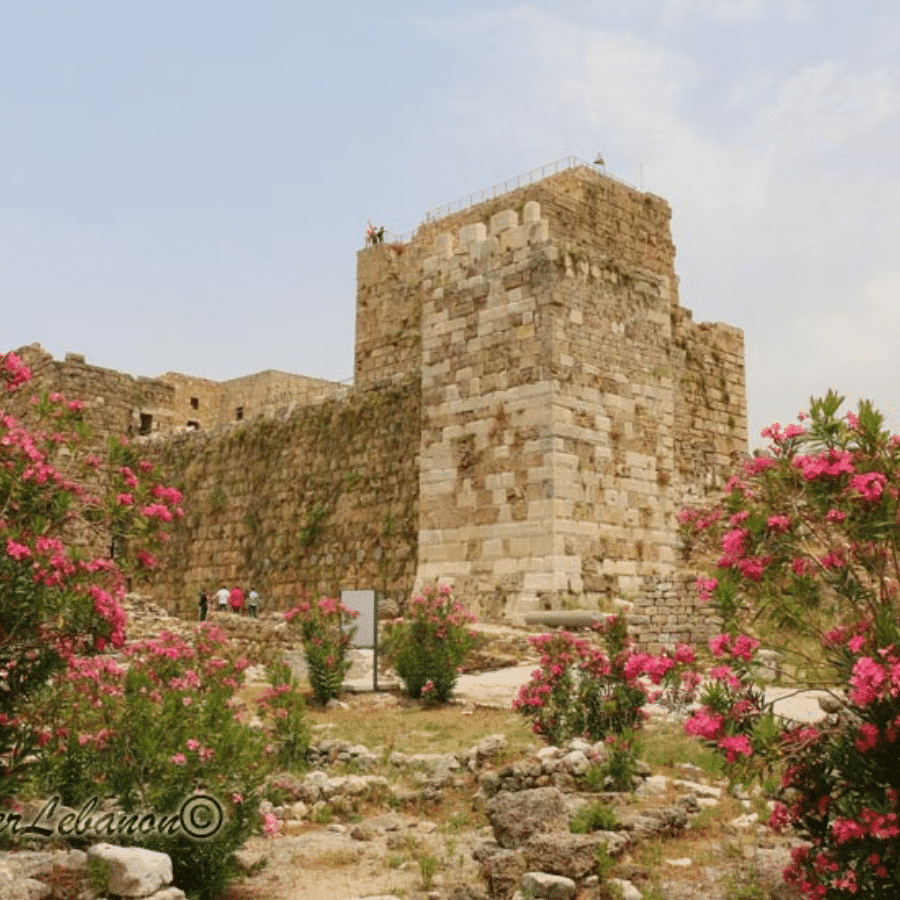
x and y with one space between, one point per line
662 821
545 886
528 411
503 870
133 871
571 855
626 888
515 817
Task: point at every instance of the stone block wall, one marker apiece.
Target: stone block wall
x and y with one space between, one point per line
485 480
200 403
118 404
613 412
322 499
531 408
388 313
564 397
710 434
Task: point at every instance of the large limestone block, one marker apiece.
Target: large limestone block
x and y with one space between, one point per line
539 232
443 245
502 221
543 886
516 817
570 855
472 234
531 213
133 871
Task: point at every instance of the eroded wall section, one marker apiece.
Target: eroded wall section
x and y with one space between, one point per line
319 500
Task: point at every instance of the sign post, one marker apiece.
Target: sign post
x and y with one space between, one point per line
366 637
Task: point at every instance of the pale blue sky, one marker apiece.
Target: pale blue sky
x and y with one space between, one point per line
185 185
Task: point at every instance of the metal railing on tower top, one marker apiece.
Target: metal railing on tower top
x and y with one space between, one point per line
497 190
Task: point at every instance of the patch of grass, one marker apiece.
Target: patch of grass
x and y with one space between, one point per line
411 728
428 866
594 817
327 859
666 745
457 822
710 818
323 816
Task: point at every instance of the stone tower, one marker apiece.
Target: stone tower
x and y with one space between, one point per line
569 404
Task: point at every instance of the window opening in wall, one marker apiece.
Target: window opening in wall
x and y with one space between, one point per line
146 423
191 423
239 413
195 403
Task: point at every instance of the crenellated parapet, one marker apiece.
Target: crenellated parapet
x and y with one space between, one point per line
503 240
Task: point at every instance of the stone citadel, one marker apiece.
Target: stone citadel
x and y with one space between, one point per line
530 408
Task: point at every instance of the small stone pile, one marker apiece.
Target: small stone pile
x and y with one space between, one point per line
125 872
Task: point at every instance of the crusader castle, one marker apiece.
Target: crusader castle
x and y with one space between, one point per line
531 406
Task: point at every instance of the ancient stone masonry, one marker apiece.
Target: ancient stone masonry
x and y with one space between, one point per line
569 405
531 407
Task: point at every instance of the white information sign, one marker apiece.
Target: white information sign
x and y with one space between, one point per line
364 603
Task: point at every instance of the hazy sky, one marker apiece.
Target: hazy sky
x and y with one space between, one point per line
185 185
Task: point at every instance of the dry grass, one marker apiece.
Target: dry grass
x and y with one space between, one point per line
411 728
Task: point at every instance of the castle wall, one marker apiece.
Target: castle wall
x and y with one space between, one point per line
388 313
531 408
319 500
485 479
613 420
116 401
710 429
570 405
201 403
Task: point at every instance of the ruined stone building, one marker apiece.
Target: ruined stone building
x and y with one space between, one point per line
530 408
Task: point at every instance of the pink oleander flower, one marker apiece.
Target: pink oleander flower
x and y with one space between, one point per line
704 724
179 759
866 681
830 462
16 550
779 524
705 587
867 737
270 826
744 646
734 745
733 543
724 673
869 485
753 567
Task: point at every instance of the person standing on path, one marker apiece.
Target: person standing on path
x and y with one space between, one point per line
222 599
203 604
253 604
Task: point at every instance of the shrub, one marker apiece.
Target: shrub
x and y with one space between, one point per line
284 706
326 640
159 731
807 541
594 817
427 647
582 691
60 504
